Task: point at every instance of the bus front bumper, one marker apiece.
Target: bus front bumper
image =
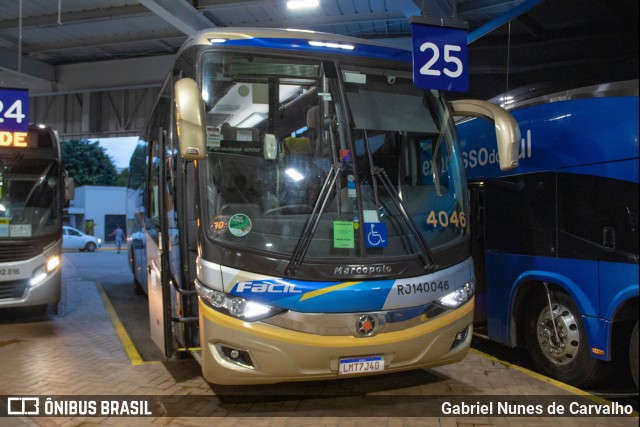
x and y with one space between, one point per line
44 293
270 354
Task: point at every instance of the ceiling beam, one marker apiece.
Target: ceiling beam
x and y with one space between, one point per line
500 20
332 20
119 40
114 74
178 13
73 17
435 8
485 5
27 66
407 7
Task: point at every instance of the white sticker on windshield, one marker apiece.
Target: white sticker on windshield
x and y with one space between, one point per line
244 135
20 230
370 215
213 136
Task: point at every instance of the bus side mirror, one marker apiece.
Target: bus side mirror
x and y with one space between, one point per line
507 129
270 146
69 188
190 119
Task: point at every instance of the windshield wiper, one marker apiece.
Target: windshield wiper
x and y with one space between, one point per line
38 183
314 219
425 252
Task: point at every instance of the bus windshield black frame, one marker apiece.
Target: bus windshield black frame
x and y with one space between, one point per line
364 122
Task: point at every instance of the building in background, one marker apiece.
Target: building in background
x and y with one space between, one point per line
98 210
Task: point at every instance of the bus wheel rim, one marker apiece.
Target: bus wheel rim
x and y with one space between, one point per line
563 348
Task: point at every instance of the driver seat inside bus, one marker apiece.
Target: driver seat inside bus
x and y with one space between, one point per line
247 181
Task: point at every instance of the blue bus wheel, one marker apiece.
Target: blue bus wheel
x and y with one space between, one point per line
557 342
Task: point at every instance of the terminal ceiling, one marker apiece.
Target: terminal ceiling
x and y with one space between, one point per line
93 67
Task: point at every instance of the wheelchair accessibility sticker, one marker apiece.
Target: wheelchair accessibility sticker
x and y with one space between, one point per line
376 234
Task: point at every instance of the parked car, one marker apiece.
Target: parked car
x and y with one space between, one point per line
72 238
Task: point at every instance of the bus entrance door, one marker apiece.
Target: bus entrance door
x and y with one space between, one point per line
156 306
476 200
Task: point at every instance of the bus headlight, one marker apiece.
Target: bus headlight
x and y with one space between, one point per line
53 263
238 307
458 297
41 273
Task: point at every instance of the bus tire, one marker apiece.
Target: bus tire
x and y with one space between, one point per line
633 354
137 287
54 309
566 357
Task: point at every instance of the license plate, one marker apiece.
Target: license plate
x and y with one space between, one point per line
361 365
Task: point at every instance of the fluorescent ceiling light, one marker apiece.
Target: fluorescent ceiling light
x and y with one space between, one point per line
252 120
217 40
302 4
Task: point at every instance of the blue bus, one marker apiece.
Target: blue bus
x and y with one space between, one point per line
556 239
285 226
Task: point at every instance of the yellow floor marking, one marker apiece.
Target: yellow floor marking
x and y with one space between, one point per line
559 384
127 344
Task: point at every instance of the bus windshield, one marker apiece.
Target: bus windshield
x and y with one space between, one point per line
367 166
28 197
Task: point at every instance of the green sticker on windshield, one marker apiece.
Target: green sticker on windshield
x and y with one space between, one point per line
239 225
343 236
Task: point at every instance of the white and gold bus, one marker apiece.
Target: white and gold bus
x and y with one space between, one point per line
32 191
288 224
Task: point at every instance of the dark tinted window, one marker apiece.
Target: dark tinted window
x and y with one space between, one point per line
597 218
520 214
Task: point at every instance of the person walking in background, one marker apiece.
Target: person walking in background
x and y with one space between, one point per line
119 237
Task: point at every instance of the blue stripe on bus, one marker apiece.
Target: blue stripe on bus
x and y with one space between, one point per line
364 50
319 297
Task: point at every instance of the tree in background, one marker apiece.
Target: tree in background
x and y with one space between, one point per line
88 163
123 178
137 166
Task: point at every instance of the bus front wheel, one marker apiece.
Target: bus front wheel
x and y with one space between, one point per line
557 342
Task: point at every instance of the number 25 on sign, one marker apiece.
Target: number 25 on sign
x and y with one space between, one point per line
439 57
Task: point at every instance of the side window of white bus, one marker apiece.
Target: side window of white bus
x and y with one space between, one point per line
153 208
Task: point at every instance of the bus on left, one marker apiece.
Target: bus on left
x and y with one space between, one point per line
32 195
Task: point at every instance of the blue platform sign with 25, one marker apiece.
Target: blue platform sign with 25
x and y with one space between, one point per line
439 57
14 107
